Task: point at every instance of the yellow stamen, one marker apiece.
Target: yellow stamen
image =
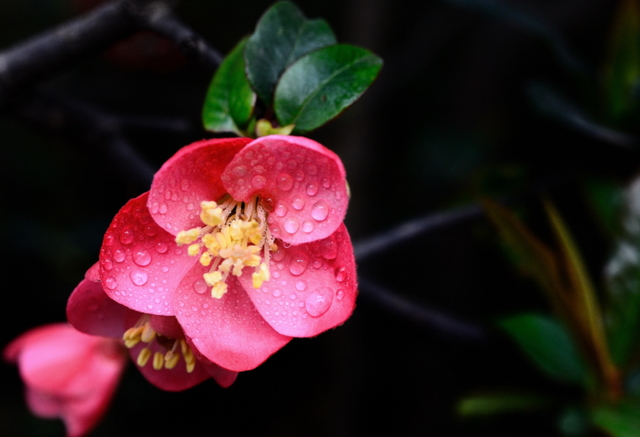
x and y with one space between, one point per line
158 360
143 357
148 334
170 360
194 249
188 237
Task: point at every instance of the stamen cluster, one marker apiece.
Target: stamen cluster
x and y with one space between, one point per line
233 236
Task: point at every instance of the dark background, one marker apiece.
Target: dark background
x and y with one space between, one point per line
448 120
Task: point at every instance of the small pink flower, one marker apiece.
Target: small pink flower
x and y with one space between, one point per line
156 343
67 374
242 242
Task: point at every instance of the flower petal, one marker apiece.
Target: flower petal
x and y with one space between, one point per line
313 286
228 331
189 177
91 311
302 181
140 263
222 376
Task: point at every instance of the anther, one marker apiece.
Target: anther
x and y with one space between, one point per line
158 360
143 357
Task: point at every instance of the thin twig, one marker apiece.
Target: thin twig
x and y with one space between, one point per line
371 246
420 314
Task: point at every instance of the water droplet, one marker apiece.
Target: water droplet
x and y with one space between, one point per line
119 256
292 296
319 301
276 293
276 275
291 164
328 248
150 306
277 256
126 236
241 181
258 182
326 182
311 169
167 196
240 170
297 202
258 169
291 225
111 283
190 207
108 240
298 264
312 188
150 230
340 274
161 247
141 256
285 183
184 185
320 211
138 277
281 209
308 227
163 208
165 269
340 294
107 264
317 264
301 285
299 175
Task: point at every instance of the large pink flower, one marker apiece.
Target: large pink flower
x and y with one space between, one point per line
67 374
156 343
243 242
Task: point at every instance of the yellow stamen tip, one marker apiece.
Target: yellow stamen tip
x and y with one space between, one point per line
143 357
191 366
158 360
194 249
148 334
188 237
171 360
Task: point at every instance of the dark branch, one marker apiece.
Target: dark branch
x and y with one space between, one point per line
411 229
390 301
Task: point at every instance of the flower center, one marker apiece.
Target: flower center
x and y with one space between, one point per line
142 331
234 235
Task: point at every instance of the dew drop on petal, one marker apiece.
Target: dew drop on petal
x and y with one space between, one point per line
138 277
161 247
276 293
319 301
340 294
298 264
200 286
299 175
328 248
312 188
126 236
320 210
119 256
150 230
108 240
184 185
240 170
340 274
107 264
281 209
277 256
111 283
326 182
297 202
259 182
308 227
301 285
285 182
311 169
291 225
141 256
163 208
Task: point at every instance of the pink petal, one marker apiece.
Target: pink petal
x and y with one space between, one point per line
167 326
300 180
91 311
222 376
313 286
228 331
140 263
189 177
176 379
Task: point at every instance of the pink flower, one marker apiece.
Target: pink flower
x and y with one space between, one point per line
156 343
67 374
242 242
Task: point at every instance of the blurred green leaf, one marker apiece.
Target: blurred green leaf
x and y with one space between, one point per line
322 84
497 403
548 345
622 420
282 35
623 66
605 197
230 100
574 422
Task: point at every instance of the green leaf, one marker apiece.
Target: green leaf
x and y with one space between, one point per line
623 66
230 100
623 420
282 35
498 403
322 84
548 345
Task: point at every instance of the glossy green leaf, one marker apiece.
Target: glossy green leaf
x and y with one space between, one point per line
498 403
623 67
282 35
548 345
623 420
322 84
230 100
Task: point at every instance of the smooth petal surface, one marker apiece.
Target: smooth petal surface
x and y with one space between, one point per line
313 286
140 263
302 181
68 374
189 177
91 311
228 331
